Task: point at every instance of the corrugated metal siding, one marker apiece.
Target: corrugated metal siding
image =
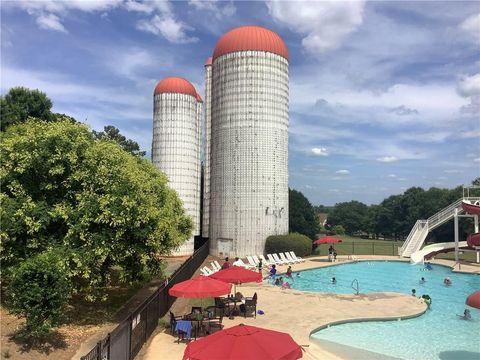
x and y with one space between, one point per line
206 174
249 152
176 152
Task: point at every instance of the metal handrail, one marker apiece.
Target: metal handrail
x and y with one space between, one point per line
356 288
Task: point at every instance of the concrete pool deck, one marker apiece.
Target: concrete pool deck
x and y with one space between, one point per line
301 313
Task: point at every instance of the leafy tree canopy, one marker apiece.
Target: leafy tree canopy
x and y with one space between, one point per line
100 205
20 103
352 216
302 218
112 133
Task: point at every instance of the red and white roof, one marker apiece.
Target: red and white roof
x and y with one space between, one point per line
246 38
175 85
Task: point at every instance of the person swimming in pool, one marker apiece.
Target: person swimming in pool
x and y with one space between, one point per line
428 267
334 281
422 280
466 315
447 281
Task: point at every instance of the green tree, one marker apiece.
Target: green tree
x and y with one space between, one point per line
302 218
338 230
102 206
112 133
39 292
353 216
21 103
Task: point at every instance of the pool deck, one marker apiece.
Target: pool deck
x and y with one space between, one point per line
301 313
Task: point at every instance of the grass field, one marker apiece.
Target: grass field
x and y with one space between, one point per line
356 246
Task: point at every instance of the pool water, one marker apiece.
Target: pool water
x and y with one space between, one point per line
438 334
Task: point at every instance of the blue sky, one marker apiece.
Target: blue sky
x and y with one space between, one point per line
383 95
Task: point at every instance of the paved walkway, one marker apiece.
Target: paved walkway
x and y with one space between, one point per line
301 313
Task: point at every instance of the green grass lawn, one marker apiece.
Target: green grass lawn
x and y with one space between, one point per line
351 245
356 246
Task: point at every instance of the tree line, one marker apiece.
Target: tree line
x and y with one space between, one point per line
395 216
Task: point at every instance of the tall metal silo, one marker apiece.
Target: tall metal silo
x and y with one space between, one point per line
206 163
249 141
176 145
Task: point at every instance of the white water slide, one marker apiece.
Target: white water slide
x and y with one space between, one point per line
420 230
417 256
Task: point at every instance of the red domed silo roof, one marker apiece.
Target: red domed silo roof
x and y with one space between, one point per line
246 38
199 98
176 85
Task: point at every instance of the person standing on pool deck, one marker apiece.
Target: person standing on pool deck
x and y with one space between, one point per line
414 292
226 264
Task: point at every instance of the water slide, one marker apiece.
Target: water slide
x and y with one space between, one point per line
434 249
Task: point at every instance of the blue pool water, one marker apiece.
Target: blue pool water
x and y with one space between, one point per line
438 334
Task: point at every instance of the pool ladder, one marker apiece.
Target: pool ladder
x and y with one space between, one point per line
355 286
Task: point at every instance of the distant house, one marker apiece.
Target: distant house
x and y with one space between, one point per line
322 218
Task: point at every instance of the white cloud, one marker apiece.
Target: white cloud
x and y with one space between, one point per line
469 85
453 171
387 159
334 190
228 8
476 159
167 26
342 172
470 134
50 22
319 151
148 7
325 25
47 12
391 175
471 26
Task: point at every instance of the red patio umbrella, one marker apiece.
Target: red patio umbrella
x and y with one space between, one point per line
200 287
237 275
473 300
244 342
327 240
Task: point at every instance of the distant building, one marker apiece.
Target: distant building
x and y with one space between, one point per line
247 137
322 219
177 111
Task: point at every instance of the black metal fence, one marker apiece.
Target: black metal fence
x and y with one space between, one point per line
126 340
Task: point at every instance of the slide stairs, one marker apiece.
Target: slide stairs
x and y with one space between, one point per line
420 230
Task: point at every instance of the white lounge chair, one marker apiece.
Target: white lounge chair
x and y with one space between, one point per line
216 265
206 271
278 260
284 259
265 262
272 260
295 257
252 261
246 266
289 257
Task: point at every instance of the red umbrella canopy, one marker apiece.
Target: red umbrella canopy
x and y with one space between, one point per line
244 342
237 275
200 287
473 300
327 240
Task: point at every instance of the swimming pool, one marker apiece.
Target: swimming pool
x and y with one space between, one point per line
438 334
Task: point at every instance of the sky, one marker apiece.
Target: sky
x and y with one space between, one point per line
384 95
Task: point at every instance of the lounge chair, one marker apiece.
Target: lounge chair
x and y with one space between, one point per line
252 261
295 257
278 260
217 265
273 261
289 257
214 266
265 261
284 259
246 266
206 271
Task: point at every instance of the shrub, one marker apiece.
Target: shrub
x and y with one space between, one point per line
39 292
300 244
338 230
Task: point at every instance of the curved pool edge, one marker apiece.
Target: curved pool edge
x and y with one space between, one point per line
369 319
